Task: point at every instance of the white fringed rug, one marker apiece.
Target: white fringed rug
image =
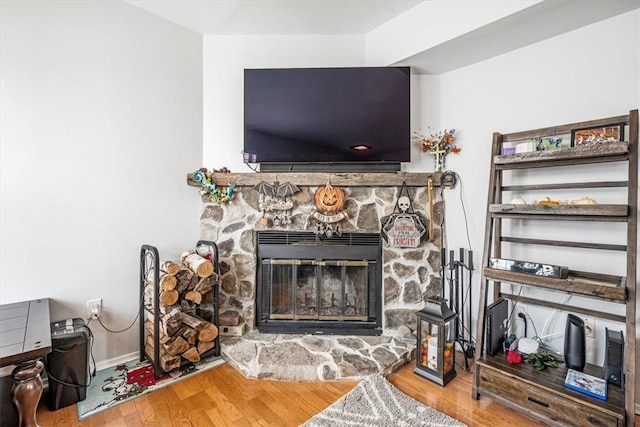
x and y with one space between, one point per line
377 402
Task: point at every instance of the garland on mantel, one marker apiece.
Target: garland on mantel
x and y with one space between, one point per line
216 194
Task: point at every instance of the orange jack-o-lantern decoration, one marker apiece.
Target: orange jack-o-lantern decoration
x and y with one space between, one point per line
329 199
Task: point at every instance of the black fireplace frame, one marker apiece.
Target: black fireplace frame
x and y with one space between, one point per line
311 246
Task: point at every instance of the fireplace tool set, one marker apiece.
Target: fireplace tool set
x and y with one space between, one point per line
460 297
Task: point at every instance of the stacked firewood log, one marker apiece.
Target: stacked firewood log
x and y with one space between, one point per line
183 287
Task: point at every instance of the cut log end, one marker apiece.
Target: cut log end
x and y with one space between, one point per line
204 346
169 267
168 282
199 265
169 297
176 346
193 296
206 331
191 354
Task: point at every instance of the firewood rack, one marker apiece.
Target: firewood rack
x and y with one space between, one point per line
150 306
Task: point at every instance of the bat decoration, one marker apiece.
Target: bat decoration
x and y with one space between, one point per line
274 198
285 189
276 189
263 188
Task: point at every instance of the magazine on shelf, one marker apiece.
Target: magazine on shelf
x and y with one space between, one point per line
587 384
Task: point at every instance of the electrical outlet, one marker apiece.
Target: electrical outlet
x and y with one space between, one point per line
94 308
589 327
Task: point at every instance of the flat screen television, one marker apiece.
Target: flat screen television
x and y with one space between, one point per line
325 119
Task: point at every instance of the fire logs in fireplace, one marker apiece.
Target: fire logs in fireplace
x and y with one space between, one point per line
310 283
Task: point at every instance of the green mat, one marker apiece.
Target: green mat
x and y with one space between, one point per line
111 387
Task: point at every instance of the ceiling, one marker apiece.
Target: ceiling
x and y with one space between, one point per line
543 20
237 17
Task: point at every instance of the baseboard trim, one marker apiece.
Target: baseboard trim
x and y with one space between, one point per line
117 360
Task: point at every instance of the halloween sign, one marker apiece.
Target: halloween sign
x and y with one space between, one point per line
329 201
404 228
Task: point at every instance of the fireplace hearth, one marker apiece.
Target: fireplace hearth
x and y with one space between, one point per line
313 284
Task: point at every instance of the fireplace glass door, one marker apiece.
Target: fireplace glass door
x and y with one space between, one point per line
321 290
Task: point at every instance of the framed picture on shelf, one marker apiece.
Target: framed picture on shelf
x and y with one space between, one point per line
597 135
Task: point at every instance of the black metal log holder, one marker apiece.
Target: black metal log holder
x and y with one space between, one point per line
150 271
459 299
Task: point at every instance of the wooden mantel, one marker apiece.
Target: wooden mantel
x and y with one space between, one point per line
344 179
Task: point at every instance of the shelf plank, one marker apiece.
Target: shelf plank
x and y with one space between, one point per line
562 162
561 217
572 155
566 128
588 284
564 307
583 245
552 379
380 179
562 210
566 186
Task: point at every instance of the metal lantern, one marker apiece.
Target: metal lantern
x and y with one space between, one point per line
435 358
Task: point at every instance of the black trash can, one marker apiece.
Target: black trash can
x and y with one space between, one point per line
68 363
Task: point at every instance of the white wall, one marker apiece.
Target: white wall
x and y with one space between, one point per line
225 58
101 120
586 74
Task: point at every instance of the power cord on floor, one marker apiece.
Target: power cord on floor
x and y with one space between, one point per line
450 180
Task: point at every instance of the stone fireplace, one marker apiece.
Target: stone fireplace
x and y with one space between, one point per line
407 276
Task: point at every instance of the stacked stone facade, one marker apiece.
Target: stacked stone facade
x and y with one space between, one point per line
410 275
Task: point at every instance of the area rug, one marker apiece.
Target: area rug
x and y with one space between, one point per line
113 386
377 402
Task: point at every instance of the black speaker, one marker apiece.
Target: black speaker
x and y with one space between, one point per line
574 343
497 315
613 358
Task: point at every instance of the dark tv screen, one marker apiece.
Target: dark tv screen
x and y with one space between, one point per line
319 115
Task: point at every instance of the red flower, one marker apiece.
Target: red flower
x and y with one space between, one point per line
514 357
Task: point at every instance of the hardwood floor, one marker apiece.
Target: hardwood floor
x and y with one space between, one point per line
224 397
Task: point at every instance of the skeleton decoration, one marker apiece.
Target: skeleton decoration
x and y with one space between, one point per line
329 201
273 198
404 204
404 228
